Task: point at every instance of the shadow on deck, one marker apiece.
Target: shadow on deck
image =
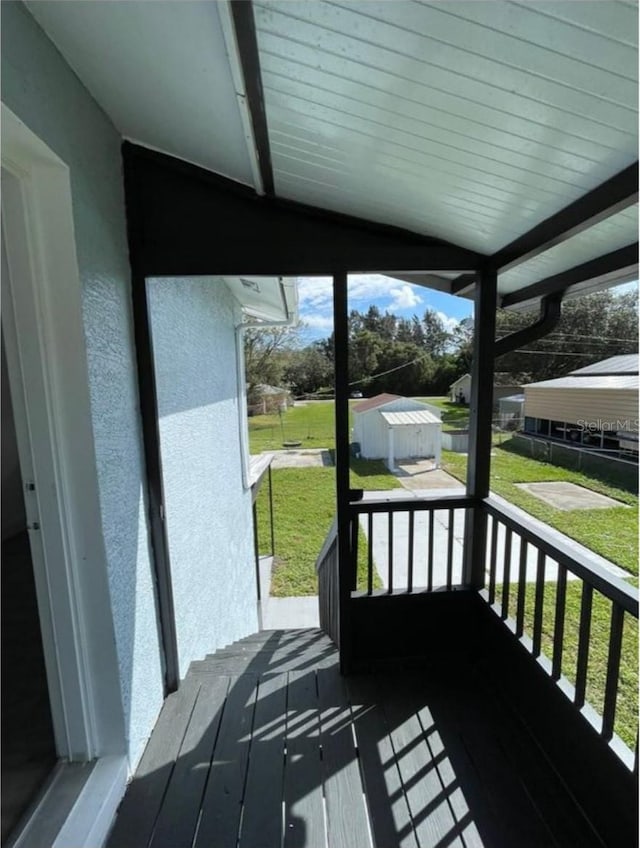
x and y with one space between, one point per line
265 744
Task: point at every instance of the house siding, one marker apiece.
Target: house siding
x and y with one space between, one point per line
208 512
575 405
41 89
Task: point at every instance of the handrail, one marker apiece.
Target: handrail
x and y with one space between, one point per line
410 505
583 564
331 539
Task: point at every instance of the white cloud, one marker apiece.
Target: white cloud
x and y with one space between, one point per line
449 323
316 321
404 297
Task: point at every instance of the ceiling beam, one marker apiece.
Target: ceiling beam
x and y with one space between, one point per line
246 42
612 196
620 262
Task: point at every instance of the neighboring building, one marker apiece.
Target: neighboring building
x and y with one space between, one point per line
504 385
393 427
595 406
460 390
511 411
268 399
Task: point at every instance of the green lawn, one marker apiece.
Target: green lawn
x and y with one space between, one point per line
454 415
627 704
612 533
312 425
303 511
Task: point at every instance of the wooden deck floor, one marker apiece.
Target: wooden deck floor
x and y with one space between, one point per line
265 745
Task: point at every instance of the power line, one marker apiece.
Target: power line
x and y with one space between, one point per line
390 371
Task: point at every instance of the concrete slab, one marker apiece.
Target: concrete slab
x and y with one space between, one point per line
301 458
568 496
422 474
291 613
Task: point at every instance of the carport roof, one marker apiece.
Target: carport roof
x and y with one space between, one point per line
506 129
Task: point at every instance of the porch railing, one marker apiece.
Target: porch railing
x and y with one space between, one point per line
328 585
411 545
541 586
547 569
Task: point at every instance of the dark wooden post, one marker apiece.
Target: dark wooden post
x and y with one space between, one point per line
481 414
341 347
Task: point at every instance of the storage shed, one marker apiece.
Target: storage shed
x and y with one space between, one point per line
392 427
511 411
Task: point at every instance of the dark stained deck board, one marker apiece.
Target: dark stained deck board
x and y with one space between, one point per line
176 824
142 802
286 752
262 808
347 819
222 802
389 817
429 802
304 823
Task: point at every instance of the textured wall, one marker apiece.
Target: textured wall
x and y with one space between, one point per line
208 512
40 88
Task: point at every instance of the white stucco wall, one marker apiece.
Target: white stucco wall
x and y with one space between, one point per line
208 512
41 89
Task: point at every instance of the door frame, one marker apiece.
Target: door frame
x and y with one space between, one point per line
49 382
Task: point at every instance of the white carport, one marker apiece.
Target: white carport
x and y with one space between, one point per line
417 433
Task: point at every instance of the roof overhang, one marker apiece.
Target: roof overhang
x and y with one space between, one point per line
266 299
461 136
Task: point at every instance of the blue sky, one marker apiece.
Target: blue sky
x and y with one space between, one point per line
400 298
316 304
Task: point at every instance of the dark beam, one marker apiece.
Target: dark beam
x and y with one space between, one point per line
341 349
245 29
612 196
550 314
622 261
155 490
481 415
191 222
463 284
428 281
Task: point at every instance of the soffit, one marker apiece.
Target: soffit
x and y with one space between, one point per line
161 73
468 121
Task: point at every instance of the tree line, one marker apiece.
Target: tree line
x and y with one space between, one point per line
422 355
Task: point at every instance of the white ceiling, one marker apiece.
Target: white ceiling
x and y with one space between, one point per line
159 70
468 121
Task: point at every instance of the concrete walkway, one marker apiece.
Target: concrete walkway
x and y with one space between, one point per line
380 545
285 613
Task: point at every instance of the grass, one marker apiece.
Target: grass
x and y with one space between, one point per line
612 533
627 703
303 511
454 416
312 425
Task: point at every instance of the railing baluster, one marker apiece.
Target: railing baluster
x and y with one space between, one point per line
583 644
450 551
539 604
430 560
522 587
492 560
390 571
370 554
613 671
410 553
506 572
558 628
355 527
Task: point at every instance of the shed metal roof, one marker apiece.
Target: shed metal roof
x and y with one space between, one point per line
624 364
602 382
374 402
405 419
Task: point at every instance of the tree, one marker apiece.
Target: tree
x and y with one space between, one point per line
308 370
263 358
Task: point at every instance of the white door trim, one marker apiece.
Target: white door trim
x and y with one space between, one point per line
45 347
